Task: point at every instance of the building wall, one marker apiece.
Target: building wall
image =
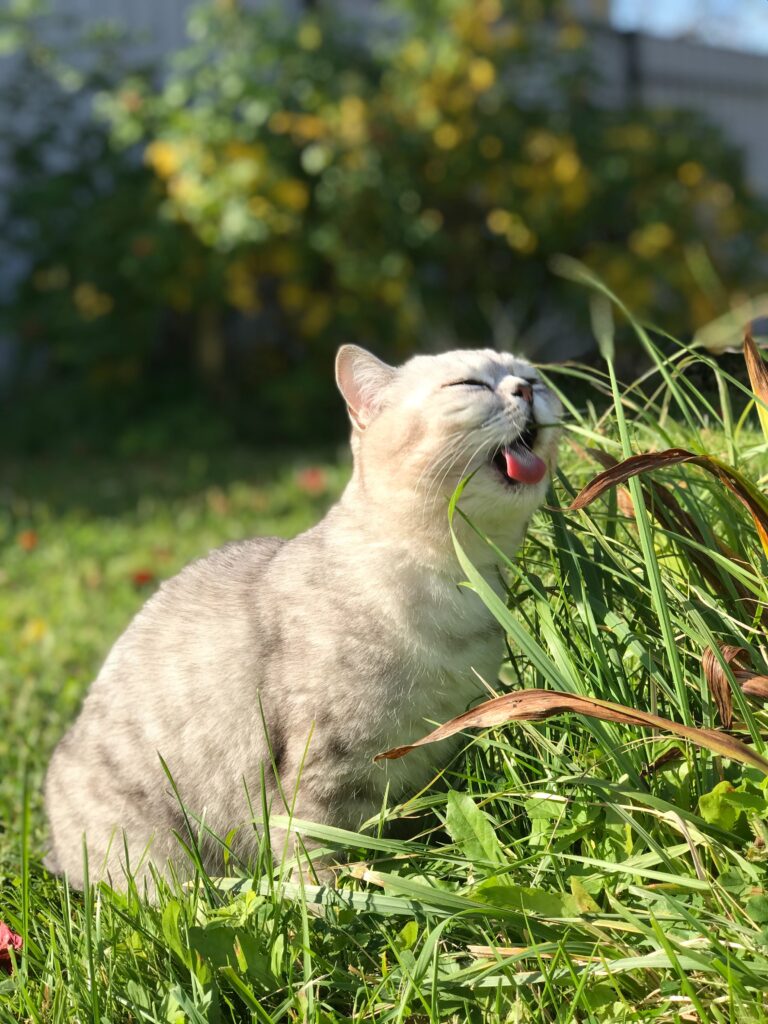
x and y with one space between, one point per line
727 86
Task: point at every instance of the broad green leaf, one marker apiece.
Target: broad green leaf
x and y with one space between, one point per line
545 807
583 900
408 935
471 829
172 932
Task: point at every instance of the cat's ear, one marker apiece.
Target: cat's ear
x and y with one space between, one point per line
362 380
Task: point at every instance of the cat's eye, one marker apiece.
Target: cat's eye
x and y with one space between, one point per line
468 384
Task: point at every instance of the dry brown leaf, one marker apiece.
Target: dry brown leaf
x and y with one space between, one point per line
624 503
664 506
536 705
677 519
717 680
758 377
647 461
620 472
752 684
668 757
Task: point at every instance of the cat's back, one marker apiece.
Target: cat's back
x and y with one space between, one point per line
226 576
195 639
208 609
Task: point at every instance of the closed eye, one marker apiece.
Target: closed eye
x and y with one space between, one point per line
468 384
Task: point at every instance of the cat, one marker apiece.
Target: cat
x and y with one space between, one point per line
299 660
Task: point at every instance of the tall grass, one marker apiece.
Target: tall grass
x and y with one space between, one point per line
581 871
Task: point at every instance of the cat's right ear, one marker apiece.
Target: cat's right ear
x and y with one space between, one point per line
362 380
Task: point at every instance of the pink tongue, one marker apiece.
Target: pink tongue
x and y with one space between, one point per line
523 465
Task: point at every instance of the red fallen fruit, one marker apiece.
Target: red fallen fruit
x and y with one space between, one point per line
8 941
312 480
142 577
28 540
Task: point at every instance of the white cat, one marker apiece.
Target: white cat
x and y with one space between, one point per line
354 633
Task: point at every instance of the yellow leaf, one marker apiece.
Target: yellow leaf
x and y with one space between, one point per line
309 36
481 73
291 193
34 631
162 157
446 136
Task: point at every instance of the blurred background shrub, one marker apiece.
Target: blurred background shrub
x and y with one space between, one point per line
222 223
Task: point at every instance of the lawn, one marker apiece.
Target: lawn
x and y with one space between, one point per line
568 870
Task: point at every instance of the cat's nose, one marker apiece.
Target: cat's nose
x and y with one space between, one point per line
524 391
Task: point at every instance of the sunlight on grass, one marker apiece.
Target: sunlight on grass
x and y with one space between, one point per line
570 870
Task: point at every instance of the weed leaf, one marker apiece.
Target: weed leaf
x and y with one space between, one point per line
471 830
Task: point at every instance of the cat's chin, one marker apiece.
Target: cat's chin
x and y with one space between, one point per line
512 487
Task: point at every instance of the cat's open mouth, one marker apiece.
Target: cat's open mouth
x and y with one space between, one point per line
517 462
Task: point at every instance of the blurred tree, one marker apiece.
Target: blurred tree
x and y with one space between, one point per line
400 182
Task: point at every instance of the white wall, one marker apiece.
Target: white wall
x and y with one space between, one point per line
727 86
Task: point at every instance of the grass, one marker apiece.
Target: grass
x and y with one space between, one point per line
583 871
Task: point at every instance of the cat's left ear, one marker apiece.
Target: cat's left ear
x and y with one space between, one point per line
362 380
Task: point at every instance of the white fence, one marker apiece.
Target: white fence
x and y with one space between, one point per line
159 24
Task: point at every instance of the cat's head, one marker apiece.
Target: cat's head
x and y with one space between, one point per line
420 428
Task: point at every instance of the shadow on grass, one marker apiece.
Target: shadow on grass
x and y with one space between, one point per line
101 486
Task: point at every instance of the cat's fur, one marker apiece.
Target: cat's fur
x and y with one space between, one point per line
345 640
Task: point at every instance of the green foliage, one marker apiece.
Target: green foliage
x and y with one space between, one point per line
401 182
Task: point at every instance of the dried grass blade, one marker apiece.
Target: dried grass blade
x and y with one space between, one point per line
620 472
718 683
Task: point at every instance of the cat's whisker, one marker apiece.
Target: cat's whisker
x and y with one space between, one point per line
459 454
485 442
447 459
433 489
447 453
